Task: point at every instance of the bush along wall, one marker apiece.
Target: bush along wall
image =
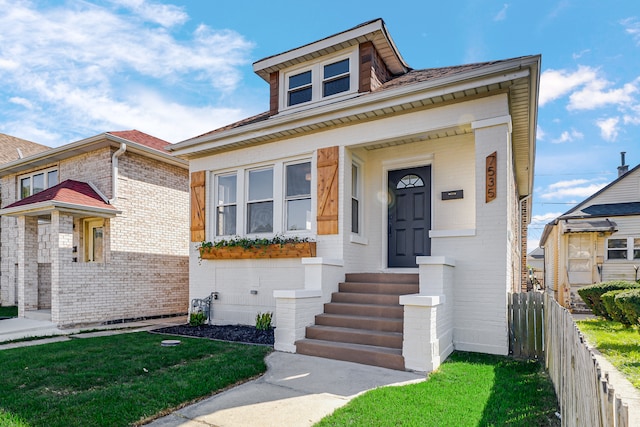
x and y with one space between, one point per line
592 295
614 311
629 303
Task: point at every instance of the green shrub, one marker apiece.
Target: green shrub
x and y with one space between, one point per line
629 303
263 321
591 295
614 310
197 319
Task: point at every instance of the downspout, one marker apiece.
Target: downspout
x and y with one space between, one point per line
114 172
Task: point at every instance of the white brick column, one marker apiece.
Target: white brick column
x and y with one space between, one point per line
61 258
296 308
27 245
428 316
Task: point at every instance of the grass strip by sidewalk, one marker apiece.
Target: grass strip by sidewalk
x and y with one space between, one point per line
620 345
116 380
469 389
9 311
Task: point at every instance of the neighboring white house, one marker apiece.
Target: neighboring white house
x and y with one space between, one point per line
597 240
96 230
423 174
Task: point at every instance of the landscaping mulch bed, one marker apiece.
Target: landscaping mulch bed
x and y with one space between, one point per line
235 333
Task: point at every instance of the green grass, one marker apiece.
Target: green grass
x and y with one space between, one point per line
620 345
116 380
10 311
469 389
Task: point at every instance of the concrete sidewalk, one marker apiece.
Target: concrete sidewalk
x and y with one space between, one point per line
296 390
37 326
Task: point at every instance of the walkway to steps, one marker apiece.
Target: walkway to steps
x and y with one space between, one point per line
363 323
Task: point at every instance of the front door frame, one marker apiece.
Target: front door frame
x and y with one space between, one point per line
397 164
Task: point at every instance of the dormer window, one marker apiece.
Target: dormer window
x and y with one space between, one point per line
336 78
300 88
319 80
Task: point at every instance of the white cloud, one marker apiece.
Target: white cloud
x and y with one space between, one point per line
541 220
540 133
568 136
587 90
502 14
576 188
580 54
555 84
21 101
608 128
166 15
595 95
632 27
84 62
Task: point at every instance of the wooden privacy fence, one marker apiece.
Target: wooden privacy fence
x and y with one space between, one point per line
540 328
526 325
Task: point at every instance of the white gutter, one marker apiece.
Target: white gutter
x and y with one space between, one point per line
114 172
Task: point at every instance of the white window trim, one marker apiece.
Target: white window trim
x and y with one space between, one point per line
630 248
216 203
30 175
285 199
242 193
273 199
317 79
358 237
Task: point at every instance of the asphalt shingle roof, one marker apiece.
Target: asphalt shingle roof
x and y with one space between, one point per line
613 209
142 139
9 146
69 191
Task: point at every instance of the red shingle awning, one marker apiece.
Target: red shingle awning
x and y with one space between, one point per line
76 197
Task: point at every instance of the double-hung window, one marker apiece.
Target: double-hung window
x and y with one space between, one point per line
355 198
226 207
298 196
625 248
300 88
260 201
335 78
319 80
36 182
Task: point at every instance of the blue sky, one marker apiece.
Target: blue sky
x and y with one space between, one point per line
175 69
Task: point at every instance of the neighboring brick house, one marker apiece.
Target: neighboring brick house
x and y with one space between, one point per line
417 178
598 240
96 230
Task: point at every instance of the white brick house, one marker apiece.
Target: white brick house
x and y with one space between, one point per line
389 170
96 230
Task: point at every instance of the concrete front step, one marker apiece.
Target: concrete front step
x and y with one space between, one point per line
356 336
379 288
354 297
371 310
358 353
360 322
383 278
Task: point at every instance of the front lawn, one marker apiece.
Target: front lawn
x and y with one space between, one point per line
10 311
620 345
117 380
469 389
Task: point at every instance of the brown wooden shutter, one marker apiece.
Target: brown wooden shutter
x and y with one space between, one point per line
197 206
328 190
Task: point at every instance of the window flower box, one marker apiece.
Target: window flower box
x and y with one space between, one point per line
271 250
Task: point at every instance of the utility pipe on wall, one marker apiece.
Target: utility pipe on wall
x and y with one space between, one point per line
114 172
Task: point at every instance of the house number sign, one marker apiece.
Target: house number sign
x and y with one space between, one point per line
491 177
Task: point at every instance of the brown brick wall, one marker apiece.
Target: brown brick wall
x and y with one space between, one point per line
373 71
274 84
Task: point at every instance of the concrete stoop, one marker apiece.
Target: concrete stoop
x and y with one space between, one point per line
363 323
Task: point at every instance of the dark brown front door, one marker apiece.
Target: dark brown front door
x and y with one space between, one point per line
409 216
